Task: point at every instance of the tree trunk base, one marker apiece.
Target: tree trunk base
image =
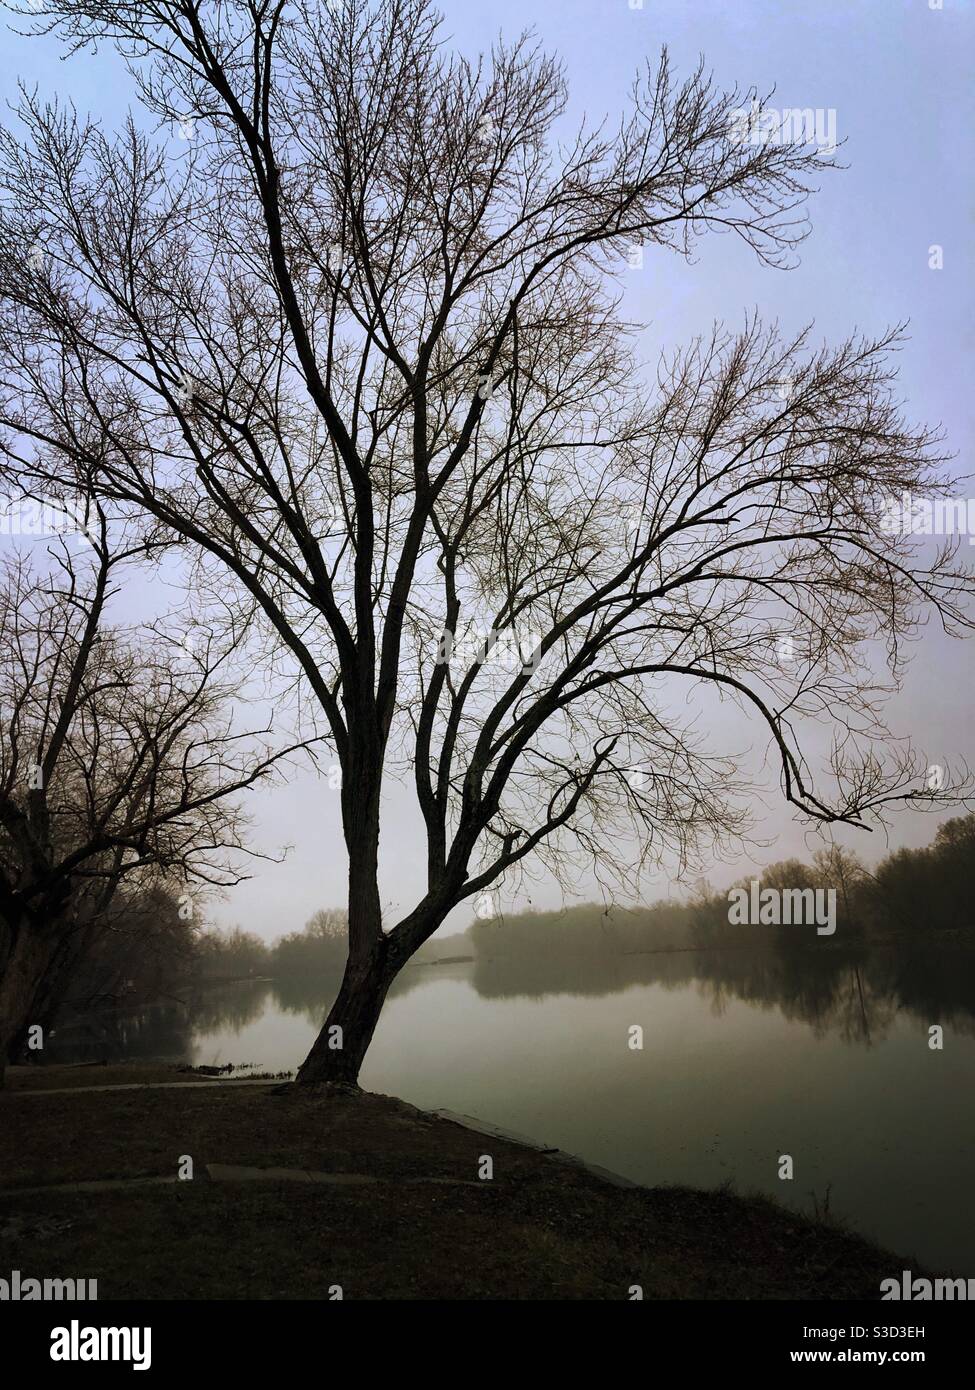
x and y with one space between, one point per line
336 1058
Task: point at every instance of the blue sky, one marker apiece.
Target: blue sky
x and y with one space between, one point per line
898 75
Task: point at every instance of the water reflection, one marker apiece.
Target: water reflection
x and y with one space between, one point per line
163 1031
854 994
748 1053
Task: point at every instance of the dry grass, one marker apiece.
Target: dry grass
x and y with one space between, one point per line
97 1074
537 1230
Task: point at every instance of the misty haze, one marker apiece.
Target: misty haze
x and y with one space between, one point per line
486 616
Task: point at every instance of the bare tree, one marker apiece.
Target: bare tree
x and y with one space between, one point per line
117 759
328 923
358 341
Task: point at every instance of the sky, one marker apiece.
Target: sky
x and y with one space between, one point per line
897 75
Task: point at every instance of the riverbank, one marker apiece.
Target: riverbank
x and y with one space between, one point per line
394 1203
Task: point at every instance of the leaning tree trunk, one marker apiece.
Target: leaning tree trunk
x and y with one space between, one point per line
374 959
340 1047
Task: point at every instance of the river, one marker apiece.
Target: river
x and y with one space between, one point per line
747 1056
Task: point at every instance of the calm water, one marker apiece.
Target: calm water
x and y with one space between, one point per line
746 1056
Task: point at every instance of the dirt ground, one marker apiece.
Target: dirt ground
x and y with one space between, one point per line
429 1225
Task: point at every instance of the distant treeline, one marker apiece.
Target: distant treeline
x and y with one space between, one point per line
318 949
151 952
913 893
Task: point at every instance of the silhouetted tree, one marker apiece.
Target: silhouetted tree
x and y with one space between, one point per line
234 954
319 949
361 348
118 762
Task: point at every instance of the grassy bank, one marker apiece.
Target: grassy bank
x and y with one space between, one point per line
426 1226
